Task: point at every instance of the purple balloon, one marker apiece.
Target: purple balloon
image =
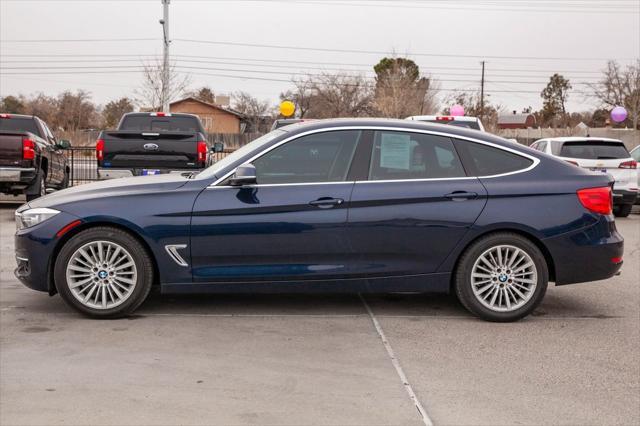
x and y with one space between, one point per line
458 110
618 114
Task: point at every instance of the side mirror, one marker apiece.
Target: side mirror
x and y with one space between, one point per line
217 147
245 175
64 144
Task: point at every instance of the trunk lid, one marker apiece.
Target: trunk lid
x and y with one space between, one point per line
173 150
11 149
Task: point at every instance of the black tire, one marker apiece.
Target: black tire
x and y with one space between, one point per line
65 181
622 210
463 280
38 188
139 255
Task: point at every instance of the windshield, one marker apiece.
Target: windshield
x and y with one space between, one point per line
594 150
256 144
19 125
145 123
466 124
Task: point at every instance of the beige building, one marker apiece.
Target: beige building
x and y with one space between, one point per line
215 118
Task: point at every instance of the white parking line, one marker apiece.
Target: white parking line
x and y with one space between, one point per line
396 364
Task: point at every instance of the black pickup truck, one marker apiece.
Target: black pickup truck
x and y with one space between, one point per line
153 143
31 158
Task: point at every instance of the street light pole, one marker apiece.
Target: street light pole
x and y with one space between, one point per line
482 94
165 64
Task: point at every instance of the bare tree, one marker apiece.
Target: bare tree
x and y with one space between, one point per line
340 95
75 111
257 113
470 101
401 91
151 94
114 110
620 87
301 96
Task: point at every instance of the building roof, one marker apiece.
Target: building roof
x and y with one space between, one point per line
229 110
513 118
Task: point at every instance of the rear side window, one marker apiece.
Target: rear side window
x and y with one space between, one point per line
594 150
484 160
148 123
404 155
19 125
320 157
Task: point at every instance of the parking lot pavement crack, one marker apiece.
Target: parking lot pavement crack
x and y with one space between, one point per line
396 364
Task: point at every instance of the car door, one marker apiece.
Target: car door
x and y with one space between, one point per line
414 205
290 225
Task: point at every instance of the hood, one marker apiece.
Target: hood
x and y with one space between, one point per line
110 188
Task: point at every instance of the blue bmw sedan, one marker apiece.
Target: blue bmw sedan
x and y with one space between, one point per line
354 205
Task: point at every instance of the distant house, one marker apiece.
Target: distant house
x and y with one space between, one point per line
215 118
516 121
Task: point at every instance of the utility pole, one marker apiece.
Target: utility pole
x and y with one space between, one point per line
482 93
165 64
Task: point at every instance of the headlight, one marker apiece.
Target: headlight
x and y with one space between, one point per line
32 217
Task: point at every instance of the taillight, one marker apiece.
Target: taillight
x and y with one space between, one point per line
633 164
28 149
444 118
572 162
5 116
100 149
597 200
202 152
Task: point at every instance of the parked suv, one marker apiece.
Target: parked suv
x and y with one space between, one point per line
31 158
453 120
600 155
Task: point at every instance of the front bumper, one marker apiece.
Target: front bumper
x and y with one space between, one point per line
34 251
623 196
590 254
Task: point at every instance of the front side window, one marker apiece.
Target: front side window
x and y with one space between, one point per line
320 157
404 155
484 160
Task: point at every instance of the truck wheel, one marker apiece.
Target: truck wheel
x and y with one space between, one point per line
103 272
65 181
501 277
38 188
622 210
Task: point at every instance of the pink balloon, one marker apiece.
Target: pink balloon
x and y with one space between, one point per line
618 114
456 110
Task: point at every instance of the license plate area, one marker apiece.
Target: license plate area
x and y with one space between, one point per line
150 172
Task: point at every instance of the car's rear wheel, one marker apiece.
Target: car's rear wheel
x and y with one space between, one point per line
103 272
501 277
39 188
623 210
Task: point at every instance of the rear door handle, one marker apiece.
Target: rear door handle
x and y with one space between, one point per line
461 195
326 202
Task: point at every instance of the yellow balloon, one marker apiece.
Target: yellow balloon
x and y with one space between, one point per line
287 108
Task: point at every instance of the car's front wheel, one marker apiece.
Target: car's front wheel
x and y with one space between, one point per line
501 277
103 272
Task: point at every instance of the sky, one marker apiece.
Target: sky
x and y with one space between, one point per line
259 46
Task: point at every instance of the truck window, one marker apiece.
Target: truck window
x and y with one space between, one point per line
148 123
19 124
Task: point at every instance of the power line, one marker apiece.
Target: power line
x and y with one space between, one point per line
379 52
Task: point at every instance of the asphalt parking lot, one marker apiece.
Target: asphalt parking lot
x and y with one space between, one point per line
284 359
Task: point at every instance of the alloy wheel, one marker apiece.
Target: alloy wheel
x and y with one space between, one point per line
504 278
101 274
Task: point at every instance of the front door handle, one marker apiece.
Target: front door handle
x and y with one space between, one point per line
461 195
326 202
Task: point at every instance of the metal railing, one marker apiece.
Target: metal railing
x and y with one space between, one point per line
82 164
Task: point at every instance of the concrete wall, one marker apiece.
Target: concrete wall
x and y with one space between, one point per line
214 120
631 138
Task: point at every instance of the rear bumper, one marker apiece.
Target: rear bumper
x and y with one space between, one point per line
104 173
589 254
16 178
623 196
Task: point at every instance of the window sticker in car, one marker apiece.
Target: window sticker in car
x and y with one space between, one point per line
395 151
